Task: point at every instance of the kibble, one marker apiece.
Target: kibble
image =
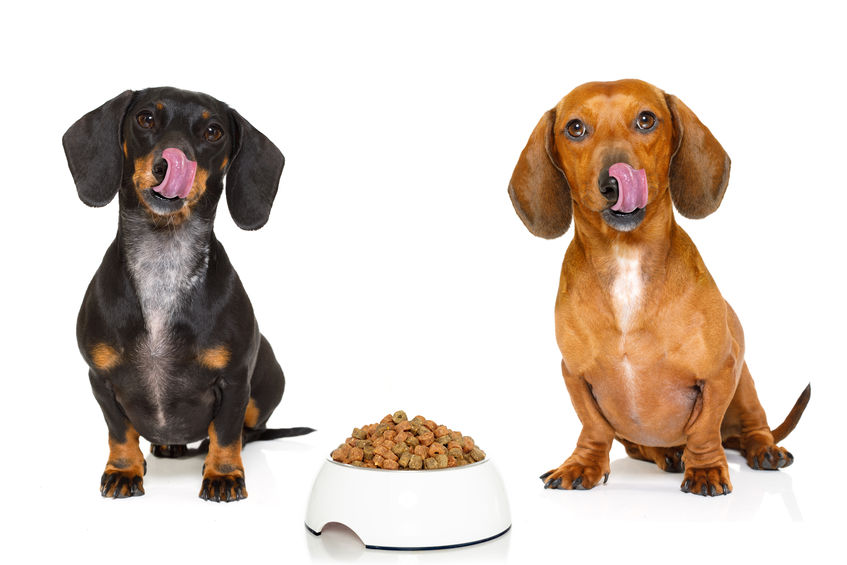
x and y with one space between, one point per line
397 443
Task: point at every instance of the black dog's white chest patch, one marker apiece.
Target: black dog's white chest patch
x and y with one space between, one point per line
166 266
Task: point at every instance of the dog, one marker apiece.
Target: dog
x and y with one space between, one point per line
166 328
652 355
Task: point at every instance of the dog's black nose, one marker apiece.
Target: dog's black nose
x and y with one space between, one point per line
609 187
160 167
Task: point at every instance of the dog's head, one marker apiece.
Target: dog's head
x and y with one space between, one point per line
168 151
613 149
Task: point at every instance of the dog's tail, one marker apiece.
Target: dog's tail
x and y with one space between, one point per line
781 431
273 433
785 428
249 435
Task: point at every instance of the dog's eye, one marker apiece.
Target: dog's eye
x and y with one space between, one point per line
575 129
145 119
646 121
213 133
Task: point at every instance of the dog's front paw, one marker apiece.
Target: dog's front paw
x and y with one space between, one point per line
710 481
223 487
768 457
572 475
116 483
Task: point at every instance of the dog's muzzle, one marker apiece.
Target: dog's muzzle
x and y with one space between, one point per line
625 189
179 174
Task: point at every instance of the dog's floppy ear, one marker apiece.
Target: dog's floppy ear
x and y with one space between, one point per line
253 177
538 189
93 149
699 169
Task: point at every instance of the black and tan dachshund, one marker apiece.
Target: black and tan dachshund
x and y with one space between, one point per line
168 332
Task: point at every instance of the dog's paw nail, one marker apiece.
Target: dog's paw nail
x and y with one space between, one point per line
605 478
726 489
577 484
553 483
713 491
686 486
545 475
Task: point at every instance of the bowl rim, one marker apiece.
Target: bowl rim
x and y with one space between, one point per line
329 459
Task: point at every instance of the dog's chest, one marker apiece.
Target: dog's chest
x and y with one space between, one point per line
627 288
166 267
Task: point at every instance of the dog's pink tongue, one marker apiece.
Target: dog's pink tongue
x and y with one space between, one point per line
632 187
180 174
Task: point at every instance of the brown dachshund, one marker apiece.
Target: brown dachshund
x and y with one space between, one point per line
653 356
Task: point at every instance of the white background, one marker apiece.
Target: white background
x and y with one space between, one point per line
394 273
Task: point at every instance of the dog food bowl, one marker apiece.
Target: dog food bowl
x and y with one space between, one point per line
411 510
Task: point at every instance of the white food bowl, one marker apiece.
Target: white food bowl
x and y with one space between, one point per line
408 510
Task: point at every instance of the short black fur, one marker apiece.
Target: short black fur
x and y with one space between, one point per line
146 338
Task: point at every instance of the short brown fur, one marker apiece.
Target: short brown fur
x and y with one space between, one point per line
652 353
251 416
215 357
105 357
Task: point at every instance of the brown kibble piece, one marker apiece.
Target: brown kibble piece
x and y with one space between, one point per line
385 453
396 442
400 449
398 417
435 449
390 465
